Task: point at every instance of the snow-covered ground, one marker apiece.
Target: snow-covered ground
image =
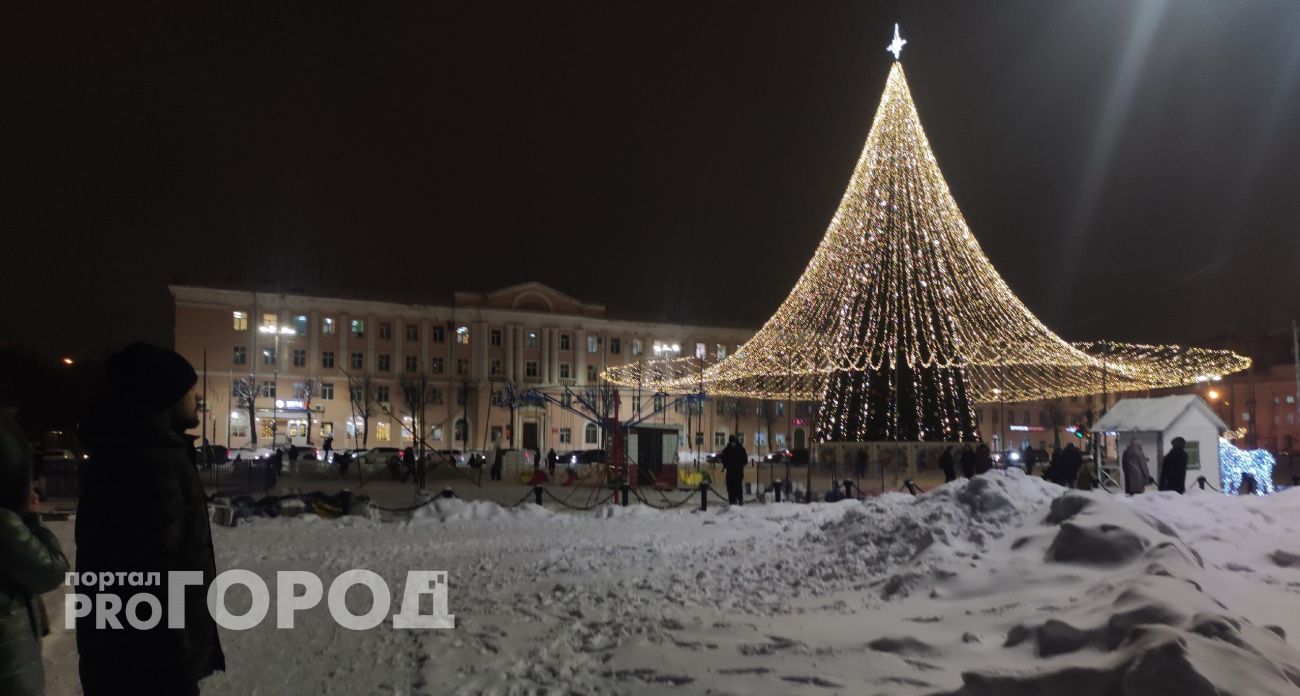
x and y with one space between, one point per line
1001 585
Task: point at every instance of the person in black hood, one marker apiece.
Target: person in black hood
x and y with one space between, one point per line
1173 469
143 510
967 461
945 464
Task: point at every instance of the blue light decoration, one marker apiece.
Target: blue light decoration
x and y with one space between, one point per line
1235 463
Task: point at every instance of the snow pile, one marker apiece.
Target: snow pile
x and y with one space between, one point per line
457 510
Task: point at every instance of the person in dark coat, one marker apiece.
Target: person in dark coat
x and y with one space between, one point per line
293 458
31 564
143 509
734 459
946 465
967 461
1068 466
1136 472
1173 470
1027 459
497 460
328 448
983 460
551 459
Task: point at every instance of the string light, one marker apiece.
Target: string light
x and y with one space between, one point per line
1235 463
900 323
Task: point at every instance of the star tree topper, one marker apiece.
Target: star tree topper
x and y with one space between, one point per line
896 46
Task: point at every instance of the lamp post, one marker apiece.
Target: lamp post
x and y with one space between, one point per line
277 332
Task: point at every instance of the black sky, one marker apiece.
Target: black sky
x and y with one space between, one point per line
1132 168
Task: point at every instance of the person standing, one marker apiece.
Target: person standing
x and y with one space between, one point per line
293 458
734 459
142 510
551 460
31 563
495 472
1173 469
1027 459
328 448
1136 472
946 465
1067 469
967 461
983 460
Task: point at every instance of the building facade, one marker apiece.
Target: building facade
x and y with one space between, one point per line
293 369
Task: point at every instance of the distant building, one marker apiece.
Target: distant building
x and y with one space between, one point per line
298 350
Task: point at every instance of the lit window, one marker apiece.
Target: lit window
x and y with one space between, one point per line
239 430
299 357
327 429
412 332
240 320
720 438
592 344
358 328
438 334
495 367
1290 398
270 320
386 331
358 360
591 434
636 346
701 350
564 371
383 430
412 363
564 342
661 348
566 436
327 391
780 408
327 326
530 339
241 355
327 359
435 365
300 324
530 368
267 389
615 346
268 356
721 351
495 337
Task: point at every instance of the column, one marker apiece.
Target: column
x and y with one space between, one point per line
544 364
580 357
508 337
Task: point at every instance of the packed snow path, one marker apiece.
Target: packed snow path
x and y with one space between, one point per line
1003 585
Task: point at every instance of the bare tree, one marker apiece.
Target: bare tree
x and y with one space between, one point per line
310 388
1054 417
244 393
419 392
361 393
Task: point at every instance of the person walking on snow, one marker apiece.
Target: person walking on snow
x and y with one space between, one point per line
551 460
1136 473
1173 470
143 510
734 459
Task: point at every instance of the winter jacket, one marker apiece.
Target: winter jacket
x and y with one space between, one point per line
1136 473
946 465
1173 471
968 463
983 461
734 459
1070 464
31 563
143 509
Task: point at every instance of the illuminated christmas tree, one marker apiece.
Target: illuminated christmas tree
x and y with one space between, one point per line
900 323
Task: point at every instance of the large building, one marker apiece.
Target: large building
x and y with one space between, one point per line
300 355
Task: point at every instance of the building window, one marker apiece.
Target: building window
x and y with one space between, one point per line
300 324
591 373
383 430
636 346
461 430
659 401
720 351
358 328
462 335
564 370
240 320
241 356
268 356
592 344
720 438
701 350
327 359
412 363
267 389
462 367
385 362
530 368
435 365
386 330
665 349
358 360
780 408
740 439
300 390
270 319
327 391
616 345
438 335
412 332
564 342
566 436
591 435
760 439
495 337
495 367
382 394
327 326
239 430
300 357
530 339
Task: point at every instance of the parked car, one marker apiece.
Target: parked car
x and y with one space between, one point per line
776 457
375 456
455 457
714 457
591 456
216 454
250 454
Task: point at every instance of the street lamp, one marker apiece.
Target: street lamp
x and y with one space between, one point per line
275 373
67 361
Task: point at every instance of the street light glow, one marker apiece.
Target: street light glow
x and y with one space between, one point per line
1213 394
67 361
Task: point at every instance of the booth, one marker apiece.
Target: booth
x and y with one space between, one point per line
1156 422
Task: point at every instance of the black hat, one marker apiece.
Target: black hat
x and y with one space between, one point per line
156 377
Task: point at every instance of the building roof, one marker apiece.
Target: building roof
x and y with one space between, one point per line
1153 415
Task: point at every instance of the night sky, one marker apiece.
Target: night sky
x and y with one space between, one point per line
1132 168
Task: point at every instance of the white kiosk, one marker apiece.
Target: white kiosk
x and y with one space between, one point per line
1156 422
